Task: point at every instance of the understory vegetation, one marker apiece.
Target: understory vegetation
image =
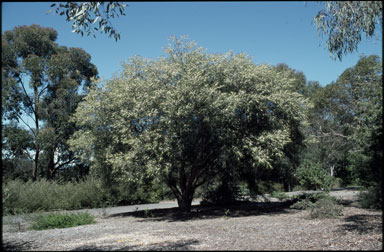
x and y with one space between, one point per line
27 197
62 220
320 205
188 124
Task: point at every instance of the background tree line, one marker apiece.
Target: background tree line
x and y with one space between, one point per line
193 123
191 120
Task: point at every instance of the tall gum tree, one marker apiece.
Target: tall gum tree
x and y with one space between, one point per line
53 72
183 117
343 22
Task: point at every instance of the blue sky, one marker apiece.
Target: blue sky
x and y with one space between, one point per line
270 32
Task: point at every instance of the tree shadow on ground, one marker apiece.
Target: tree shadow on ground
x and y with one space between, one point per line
166 245
363 224
17 246
238 209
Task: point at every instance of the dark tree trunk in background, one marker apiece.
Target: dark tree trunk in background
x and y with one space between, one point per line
51 165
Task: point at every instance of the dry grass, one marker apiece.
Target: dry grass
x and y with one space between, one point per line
255 226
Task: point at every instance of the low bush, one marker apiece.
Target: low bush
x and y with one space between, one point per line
62 220
307 200
279 195
27 197
220 194
313 176
43 195
326 208
302 204
138 193
371 198
321 205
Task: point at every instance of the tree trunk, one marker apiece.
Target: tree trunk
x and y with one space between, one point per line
51 165
185 201
34 171
36 161
184 198
332 170
287 186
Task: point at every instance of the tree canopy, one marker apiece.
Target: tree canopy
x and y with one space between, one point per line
345 122
54 73
186 116
84 15
344 21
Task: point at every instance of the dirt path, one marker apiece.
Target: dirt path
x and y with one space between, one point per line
254 226
342 193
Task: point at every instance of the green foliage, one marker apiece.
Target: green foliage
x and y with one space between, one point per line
326 207
43 195
344 21
55 75
313 176
47 195
302 204
149 191
306 201
346 124
279 195
220 194
5 198
372 198
62 220
85 15
147 213
16 141
320 205
187 117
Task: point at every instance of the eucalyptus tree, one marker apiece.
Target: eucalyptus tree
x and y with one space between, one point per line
288 164
184 117
362 103
85 14
17 143
67 70
36 74
344 21
346 120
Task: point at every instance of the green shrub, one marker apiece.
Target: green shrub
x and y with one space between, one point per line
313 176
220 194
372 198
148 191
307 200
43 195
278 187
279 195
59 220
5 198
298 188
302 204
321 205
326 208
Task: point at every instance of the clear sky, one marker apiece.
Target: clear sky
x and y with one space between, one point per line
270 32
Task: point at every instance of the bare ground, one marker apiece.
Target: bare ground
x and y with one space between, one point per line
251 226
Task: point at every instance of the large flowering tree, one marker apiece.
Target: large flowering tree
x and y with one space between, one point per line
184 118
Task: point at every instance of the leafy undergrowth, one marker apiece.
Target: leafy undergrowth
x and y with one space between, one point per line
321 205
62 220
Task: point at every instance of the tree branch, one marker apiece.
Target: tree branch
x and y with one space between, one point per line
41 91
26 94
62 164
28 155
28 114
33 132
